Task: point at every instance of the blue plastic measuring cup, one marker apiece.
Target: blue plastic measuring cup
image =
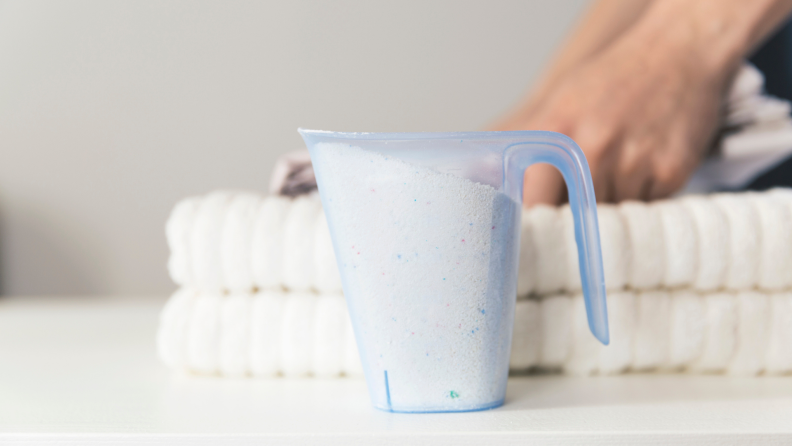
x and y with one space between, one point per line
425 228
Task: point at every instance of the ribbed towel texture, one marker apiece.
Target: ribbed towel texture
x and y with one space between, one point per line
299 334
700 284
243 242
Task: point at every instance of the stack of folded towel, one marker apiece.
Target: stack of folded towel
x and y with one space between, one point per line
699 283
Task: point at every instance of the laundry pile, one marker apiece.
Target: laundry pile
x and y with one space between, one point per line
701 283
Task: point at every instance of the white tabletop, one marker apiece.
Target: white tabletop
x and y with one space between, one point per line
84 370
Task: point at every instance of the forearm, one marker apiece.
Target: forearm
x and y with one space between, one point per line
715 35
602 23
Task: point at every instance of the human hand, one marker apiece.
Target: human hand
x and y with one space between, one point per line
644 113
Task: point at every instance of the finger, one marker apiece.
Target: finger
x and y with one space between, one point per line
542 184
673 166
599 142
633 175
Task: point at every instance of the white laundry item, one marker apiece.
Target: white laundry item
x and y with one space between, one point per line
720 338
584 355
205 242
645 231
616 251
653 331
744 243
236 241
548 241
681 244
775 259
235 334
527 267
753 334
298 243
617 356
759 110
556 315
178 232
747 83
779 348
203 342
526 338
782 193
351 365
293 174
297 338
266 331
266 251
328 278
173 328
688 326
712 233
329 336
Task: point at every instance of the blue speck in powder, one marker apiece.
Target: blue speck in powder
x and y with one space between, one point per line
483 312
443 278
394 319
398 255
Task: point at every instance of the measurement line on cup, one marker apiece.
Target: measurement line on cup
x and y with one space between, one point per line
387 391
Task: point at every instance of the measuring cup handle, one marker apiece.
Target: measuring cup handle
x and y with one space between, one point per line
566 156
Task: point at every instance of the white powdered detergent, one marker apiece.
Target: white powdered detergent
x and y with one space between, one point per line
428 263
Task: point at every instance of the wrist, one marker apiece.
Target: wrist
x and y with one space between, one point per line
711 35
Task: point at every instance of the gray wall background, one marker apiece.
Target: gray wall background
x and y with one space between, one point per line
111 111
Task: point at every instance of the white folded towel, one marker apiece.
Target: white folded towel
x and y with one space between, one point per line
617 356
329 336
556 315
680 242
267 243
173 328
178 231
548 240
615 242
299 230
704 242
616 251
203 338
236 241
526 340
272 333
779 348
266 330
720 336
775 259
652 332
297 341
584 355
645 231
687 329
753 334
234 334
712 232
205 242
744 233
